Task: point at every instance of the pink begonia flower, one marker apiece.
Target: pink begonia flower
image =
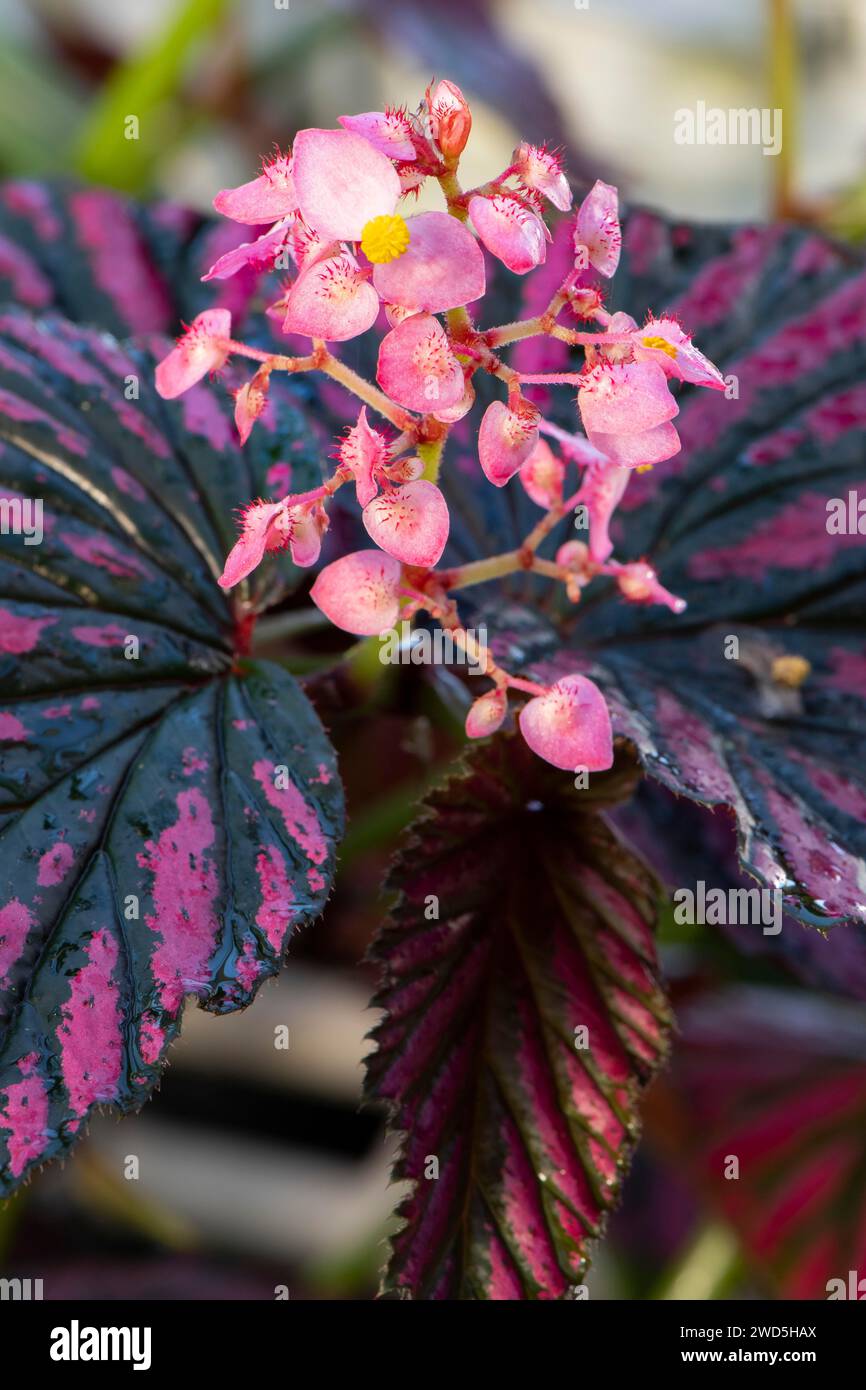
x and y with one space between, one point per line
486 714
569 726
388 131
450 118
364 451
626 408
542 475
360 593
411 522
348 191
511 232
259 254
597 233
601 492
332 299
417 368
625 398
638 582
250 402
265 199
442 267
541 170
202 348
267 526
663 341
506 439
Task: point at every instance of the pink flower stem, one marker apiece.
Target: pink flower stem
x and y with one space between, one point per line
275 361
530 687
363 389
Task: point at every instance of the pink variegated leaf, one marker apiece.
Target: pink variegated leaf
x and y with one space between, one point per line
169 807
523 1014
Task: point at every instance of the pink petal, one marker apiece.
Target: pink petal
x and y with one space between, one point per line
639 450
569 726
541 170
417 368
542 475
264 528
683 361
342 182
625 398
597 228
506 439
264 199
331 299
601 492
411 522
486 714
442 268
389 132
260 254
202 349
360 593
365 452
509 231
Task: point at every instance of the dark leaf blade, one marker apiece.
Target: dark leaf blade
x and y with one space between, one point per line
99 258
737 524
544 927
169 809
777 1082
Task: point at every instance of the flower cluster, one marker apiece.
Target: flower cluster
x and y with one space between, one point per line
336 208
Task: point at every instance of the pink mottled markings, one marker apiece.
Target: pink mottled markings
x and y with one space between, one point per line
55 864
100 635
24 1114
299 818
278 906
105 229
184 890
151 1039
28 283
11 728
16 922
796 538
104 554
90 1035
20 634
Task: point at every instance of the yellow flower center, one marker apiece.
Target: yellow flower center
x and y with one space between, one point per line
384 238
791 670
662 344
645 468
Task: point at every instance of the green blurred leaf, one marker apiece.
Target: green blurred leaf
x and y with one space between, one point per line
147 87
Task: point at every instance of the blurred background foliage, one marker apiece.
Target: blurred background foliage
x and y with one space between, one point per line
257 1168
